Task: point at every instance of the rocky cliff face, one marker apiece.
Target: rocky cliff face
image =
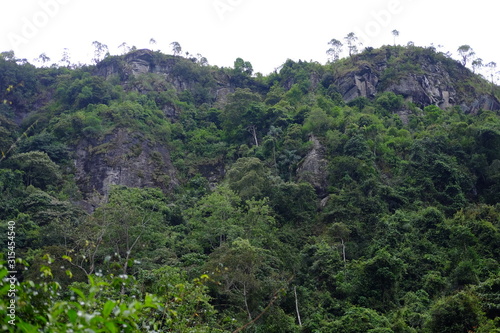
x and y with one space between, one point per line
121 158
177 71
313 169
362 83
423 80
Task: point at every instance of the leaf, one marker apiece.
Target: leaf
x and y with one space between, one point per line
72 315
79 293
111 327
108 307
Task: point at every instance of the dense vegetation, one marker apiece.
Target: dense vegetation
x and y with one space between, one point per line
398 231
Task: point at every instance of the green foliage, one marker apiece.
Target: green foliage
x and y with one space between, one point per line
400 235
457 313
248 178
358 319
39 170
216 218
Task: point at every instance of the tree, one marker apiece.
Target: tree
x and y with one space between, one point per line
335 50
358 319
466 53
352 43
130 225
176 48
66 58
477 64
244 274
341 232
43 59
492 66
216 218
244 112
457 313
248 178
395 33
39 170
202 60
242 66
8 55
100 51
124 47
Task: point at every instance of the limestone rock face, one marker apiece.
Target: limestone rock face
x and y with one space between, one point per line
485 102
358 84
429 82
313 169
175 70
426 89
121 158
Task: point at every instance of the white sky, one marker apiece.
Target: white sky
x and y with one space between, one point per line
264 32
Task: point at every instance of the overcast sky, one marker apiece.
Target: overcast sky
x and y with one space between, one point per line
264 32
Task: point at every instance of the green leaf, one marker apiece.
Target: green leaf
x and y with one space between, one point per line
108 307
79 293
111 327
72 315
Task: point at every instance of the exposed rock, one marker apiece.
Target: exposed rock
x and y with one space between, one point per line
121 158
362 83
176 71
313 169
221 95
431 81
426 89
484 102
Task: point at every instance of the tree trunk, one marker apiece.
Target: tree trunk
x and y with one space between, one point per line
343 249
297 305
246 302
252 129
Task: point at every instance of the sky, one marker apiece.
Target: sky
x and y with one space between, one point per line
264 32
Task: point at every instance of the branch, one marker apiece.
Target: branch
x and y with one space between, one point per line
273 299
14 145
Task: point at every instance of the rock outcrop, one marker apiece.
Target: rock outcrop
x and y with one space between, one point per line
121 158
313 168
427 80
362 83
181 73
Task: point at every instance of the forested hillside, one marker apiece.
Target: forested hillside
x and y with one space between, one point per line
158 193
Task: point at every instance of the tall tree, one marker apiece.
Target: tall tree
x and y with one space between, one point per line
176 48
335 49
244 112
492 66
477 64
395 33
125 48
352 43
242 66
466 52
66 58
101 50
43 59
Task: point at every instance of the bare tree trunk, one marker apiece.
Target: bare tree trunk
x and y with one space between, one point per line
297 305
343 249
252 129
246 303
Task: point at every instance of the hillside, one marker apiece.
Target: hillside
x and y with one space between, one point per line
357 196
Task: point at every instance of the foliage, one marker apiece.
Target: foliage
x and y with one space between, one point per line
400 234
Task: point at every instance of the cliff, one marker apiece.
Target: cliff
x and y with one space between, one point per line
421 75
